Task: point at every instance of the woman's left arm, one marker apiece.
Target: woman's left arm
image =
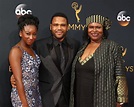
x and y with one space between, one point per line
122 88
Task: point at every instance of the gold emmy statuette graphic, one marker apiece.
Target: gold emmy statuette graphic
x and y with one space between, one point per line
124 51
77 10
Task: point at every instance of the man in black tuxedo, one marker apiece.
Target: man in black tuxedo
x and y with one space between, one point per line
54 80
55 72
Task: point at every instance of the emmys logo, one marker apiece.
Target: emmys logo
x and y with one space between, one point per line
123 19
77 9
129 68
21 10
124 51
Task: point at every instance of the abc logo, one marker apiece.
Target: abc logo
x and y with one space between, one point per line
122 19
21 10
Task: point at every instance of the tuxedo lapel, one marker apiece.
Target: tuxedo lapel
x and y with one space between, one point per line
50 65
57 86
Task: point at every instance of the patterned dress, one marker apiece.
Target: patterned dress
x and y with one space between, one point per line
30 69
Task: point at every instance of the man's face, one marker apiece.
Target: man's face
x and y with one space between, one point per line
59 27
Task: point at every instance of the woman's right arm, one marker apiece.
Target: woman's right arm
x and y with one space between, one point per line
15 57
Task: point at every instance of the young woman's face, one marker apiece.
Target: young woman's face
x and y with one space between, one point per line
95 31
29 34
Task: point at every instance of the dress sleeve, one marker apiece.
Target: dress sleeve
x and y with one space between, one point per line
121 82
122 90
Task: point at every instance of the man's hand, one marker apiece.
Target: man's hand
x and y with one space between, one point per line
12 80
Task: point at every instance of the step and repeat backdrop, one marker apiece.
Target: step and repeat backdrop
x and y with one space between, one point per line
122 31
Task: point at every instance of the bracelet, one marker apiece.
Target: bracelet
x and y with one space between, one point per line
121 103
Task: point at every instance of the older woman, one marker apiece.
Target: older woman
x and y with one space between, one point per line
98 77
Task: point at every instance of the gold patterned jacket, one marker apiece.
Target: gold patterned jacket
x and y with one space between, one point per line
110 85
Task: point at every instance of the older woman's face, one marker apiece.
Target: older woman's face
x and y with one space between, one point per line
95 31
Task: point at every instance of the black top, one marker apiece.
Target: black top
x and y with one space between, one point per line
56 45
58 53
84 84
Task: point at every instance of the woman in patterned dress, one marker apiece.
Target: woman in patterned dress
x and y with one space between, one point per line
25 63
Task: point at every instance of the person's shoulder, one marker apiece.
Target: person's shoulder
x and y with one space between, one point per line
15 48
15 51
42 40
73 43
72 40
111 42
